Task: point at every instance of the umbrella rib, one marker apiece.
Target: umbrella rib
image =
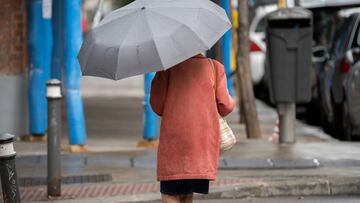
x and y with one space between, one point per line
189 4
181 23
153 37
200 8
119 12
124 39
112 21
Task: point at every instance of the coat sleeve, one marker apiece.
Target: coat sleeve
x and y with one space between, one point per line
158 92
224 101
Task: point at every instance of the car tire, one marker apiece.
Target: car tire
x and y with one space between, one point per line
326 125
313 112
342 124
347 126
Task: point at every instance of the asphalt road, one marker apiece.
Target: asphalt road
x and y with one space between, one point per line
328 199
289 200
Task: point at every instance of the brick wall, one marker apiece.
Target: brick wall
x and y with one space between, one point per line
13 48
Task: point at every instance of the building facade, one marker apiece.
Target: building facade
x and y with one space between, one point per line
13 67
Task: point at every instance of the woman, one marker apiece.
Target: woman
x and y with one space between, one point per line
189 97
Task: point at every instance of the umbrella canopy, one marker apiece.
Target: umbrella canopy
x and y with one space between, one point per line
151 35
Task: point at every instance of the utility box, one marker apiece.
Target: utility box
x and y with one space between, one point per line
289 51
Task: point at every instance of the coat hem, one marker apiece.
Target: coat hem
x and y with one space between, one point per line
186 176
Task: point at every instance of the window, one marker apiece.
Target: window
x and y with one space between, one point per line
261 25
340 38
356 41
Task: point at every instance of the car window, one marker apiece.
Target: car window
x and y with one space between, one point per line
356 41
340 38
261 26
325 24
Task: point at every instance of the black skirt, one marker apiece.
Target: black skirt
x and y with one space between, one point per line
184 187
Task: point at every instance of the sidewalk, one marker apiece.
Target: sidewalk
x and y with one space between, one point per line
115 170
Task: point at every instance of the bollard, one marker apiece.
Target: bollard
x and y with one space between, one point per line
72 73
39 48
227 48
54 137
9 181
151 120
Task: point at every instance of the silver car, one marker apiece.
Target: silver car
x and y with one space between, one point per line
351 104
338 79
257 42
326 3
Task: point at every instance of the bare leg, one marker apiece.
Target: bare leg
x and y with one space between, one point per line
186 199
170 199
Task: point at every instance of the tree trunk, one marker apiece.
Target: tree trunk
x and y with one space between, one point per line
235 45
246 87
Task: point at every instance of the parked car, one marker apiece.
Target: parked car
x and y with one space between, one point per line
337 77
349 109
325 21
327 3
327 16
257 42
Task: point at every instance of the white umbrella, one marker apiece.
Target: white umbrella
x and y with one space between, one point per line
151 35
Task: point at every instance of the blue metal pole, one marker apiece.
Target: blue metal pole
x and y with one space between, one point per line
58 36
73 40
39 48
151 120
227 48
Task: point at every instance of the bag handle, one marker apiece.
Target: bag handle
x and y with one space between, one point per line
214 73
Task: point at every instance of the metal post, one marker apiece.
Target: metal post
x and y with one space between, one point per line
287 111
227 44
151 120
39 46
9 181
54 137
73 40
287 115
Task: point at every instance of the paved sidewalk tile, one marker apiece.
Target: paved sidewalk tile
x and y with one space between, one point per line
111 190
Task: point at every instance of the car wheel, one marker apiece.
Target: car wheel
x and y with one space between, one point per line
313 112
342 125
346 122
326 125
338 124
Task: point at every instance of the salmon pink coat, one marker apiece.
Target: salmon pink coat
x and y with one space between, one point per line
184 96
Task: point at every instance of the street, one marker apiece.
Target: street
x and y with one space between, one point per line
344 199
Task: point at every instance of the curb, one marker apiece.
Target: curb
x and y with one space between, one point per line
272 189
301 186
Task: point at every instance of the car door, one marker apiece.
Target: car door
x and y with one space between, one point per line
351 83
328 71
342 64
